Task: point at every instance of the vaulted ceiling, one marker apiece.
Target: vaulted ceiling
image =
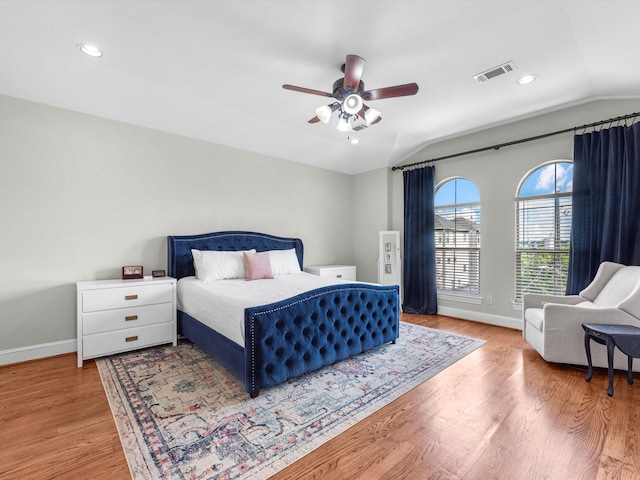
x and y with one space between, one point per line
213 70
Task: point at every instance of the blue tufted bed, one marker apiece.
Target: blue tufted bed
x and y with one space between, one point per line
290 337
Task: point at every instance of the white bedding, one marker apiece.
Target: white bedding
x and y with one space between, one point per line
220 304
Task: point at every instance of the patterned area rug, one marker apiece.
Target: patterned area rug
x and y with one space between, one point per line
181 415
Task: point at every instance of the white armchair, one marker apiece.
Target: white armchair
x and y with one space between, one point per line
552 324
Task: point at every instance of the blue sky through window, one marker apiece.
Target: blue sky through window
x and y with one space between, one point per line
548 179
458 190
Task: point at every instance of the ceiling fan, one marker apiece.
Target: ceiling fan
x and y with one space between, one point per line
351 95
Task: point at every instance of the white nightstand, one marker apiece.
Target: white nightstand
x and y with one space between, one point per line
342 272
120 315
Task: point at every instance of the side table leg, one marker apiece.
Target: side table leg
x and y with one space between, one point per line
610 347
630 370
587 348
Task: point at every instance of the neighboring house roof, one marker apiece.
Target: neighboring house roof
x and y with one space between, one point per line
444 223
459 224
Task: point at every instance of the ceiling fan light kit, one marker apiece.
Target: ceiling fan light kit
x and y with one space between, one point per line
350 95
352 104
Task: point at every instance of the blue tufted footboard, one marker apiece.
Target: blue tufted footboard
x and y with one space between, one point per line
286 339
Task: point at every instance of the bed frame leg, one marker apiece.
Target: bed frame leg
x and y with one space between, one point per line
254 394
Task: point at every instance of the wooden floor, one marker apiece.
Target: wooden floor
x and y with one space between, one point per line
499 413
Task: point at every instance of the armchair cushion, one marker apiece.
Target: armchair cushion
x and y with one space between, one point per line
603 275
619 287
631 304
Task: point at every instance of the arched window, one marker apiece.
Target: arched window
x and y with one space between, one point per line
457 235
543 229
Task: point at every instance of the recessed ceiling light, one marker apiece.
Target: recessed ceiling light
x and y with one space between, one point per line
90 50
527 79
354 141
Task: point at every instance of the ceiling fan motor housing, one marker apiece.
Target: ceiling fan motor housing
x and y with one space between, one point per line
341 93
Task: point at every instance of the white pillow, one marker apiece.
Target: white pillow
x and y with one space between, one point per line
284 262
217 265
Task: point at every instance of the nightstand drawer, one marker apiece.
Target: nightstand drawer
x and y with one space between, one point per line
108 320
126 339
133 296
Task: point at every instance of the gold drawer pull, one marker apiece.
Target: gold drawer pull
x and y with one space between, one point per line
131 339
339 275
131 297
131 317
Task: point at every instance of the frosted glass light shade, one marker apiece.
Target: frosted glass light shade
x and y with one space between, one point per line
371 115
324 113
343 124
352 104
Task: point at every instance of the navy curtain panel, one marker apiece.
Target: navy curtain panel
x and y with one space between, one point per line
606 202
420 293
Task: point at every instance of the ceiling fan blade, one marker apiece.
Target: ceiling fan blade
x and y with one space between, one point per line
314 120
390 92
306 90
353 72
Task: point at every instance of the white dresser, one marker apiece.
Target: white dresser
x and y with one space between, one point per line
119 315
342 272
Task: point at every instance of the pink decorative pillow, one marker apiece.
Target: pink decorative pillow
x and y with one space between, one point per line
257 265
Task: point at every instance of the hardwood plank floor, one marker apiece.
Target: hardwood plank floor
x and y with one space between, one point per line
500 413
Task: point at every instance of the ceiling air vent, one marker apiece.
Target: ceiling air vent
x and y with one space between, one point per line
495 72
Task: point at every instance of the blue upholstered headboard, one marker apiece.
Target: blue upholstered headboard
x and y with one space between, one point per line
180 260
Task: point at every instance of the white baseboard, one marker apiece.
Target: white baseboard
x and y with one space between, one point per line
498 320
33 352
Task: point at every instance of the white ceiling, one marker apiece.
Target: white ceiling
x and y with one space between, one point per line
213 70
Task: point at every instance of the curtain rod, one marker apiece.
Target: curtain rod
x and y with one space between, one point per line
516 142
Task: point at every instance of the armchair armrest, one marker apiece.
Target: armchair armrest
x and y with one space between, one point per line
567 317
537 300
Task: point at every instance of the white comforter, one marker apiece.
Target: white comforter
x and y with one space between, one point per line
220 304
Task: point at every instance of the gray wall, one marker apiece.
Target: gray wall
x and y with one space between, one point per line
80 196
371 211
497 175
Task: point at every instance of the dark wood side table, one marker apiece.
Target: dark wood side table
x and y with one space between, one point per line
625 337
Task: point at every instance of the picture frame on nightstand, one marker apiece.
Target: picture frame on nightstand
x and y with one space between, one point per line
132 271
